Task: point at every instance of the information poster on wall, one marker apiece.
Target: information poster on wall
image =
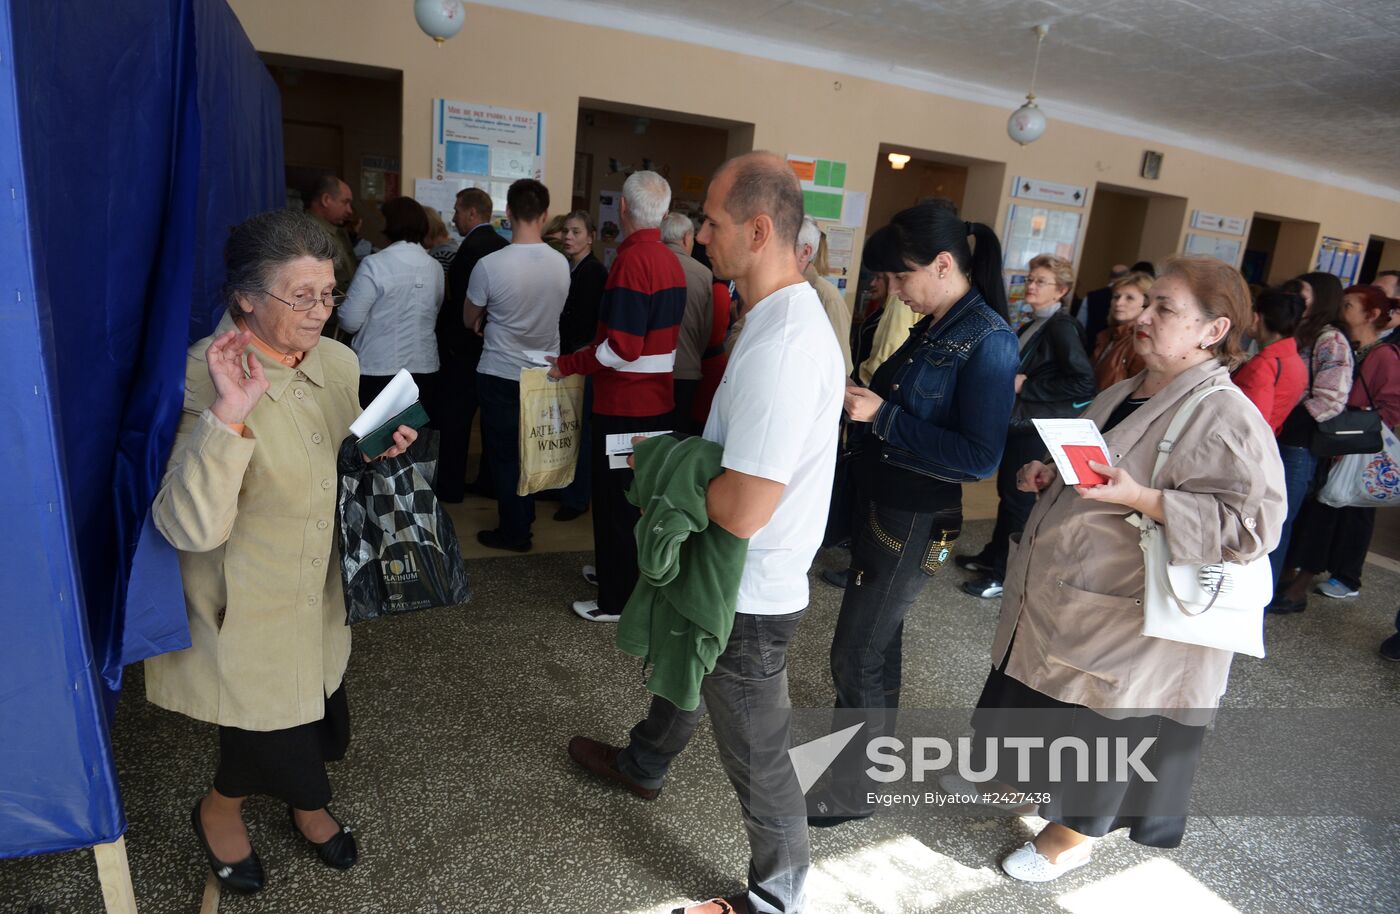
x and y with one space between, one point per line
840 254
485 142
1017 311
1340 258
442 196
823 186
1226 249
1035 230
1215 222
1049 191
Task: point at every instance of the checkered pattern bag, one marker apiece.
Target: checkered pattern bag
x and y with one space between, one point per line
398 551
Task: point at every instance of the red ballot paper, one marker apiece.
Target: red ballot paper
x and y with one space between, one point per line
1079 456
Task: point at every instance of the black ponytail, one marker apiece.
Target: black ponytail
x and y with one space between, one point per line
986 267
915 236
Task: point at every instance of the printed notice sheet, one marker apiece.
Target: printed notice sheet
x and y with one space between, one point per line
1072 444
619 447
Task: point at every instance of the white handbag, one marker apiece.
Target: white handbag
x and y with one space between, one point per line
1219 604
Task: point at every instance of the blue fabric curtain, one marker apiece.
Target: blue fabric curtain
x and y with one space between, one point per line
134 136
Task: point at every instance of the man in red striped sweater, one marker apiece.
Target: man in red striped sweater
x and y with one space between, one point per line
631 361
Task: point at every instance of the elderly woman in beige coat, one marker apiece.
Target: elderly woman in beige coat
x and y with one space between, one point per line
1070 634
249 500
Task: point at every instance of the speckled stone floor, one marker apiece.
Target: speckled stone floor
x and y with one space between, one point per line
463 799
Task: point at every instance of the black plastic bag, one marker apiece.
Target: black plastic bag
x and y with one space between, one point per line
398 551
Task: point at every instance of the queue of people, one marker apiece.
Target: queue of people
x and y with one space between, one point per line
270 398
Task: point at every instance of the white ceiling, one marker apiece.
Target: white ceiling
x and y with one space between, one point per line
1303 86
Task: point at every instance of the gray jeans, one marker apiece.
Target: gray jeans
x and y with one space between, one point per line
750 676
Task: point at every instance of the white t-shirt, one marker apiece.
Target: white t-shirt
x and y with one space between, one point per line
522 287
777 413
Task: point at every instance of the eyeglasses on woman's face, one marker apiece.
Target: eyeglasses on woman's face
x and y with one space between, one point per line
304 301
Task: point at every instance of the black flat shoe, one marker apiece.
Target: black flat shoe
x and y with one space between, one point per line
339 851
244 877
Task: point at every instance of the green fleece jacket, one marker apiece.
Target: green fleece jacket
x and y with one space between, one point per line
679 616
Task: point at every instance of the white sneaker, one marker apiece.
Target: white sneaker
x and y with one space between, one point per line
1030 865
588 609
590 574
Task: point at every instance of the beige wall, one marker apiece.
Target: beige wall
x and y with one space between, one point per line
895 189
794 109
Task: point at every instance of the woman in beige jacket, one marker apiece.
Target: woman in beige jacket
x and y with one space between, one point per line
249 499
1070 634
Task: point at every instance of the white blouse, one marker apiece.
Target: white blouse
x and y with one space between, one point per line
392 308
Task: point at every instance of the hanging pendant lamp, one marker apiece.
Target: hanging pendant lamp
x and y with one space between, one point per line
440 19
1027 122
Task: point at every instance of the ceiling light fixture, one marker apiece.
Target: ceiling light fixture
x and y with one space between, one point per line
440 19
898 160
1027 122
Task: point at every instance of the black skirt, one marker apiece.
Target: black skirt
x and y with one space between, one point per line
1154 812
287 764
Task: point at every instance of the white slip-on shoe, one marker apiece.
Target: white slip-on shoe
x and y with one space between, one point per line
588 609
1030 865
590 574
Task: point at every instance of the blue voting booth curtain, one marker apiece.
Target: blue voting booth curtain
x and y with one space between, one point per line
132 137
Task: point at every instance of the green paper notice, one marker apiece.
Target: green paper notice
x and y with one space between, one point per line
821 205
822 177
838 175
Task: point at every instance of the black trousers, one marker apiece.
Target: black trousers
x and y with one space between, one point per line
287 764
1331 539
614 518
1015 506
458 402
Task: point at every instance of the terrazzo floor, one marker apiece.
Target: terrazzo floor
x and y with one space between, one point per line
464 801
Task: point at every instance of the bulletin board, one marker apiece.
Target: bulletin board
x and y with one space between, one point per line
1030 232
485 143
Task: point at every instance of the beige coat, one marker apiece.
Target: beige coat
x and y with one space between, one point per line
254 519
699 317
1074 583
838 311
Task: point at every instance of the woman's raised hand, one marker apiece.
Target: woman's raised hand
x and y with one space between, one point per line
236 389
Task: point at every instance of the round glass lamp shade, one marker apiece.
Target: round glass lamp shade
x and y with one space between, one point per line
440 19
1026 124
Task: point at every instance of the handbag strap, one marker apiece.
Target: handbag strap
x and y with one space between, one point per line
1178 424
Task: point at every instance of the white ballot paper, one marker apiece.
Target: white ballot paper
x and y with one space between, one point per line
1072 444
619 447
398 395
536 356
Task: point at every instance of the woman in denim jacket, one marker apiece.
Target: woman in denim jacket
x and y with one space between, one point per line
937 413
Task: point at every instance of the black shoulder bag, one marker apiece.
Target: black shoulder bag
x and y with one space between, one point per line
1352 431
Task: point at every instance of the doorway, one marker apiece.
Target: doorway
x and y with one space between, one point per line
1127 225
974 185
615 139
346 120
1278 248
1382 254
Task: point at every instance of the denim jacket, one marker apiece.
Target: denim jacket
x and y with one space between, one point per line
946 412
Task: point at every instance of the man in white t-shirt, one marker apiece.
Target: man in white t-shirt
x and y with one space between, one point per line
777 415
522 287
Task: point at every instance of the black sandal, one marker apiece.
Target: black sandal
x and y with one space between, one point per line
244 877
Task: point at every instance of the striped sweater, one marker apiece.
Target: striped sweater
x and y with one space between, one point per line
634 350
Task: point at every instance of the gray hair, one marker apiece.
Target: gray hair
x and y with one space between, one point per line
261 245
675 227
648 197
809 233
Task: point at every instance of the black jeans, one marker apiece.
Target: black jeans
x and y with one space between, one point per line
1014 508
748 683
457 404
500 435
894 552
